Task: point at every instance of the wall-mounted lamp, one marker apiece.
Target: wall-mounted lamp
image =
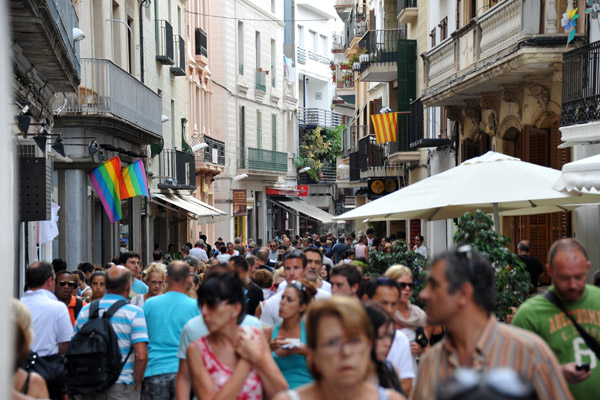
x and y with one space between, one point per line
240 177
164 118
78 35
199 146
59 146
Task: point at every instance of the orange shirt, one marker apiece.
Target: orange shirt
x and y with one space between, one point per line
71 308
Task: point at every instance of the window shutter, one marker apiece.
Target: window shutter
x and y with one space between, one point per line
407 73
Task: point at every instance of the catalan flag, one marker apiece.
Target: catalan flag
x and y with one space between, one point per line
134 180
106 179
386 127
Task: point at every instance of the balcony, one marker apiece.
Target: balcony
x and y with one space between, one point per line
261 81
407 11
42 32
350 137
337 42
201 42
267 160
371 154
311 118
581 85
380 63
343 8
120 103
356 27
211 157
317 57
329 176
164 43
354 167
178 68
344 80
416 137
176 170
301 57
512 39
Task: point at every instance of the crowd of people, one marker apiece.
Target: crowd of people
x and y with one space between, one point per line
296 318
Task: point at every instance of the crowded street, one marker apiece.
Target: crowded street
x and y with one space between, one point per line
300 199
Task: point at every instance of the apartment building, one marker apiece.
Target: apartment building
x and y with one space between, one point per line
254 112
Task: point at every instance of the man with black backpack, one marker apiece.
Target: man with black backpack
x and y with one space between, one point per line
103 364
567 317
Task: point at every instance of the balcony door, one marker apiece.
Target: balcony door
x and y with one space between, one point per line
539 146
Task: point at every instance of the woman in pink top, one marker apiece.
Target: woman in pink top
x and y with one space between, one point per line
230 362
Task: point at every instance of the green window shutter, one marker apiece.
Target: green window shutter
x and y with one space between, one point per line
258 129
407 73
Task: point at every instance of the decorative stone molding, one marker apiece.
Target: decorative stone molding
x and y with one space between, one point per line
541 93
513 94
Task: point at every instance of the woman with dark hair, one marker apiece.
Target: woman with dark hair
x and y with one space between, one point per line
230 362
339 338
383 325
288 338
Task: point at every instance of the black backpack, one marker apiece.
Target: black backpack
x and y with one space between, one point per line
93 358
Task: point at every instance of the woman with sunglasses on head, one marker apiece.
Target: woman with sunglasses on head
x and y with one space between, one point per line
288 338
155 279
339 339
409 318
384 374
230 362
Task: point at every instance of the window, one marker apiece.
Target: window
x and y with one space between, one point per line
301 37
201 42
324 45
258 129
314 41
274 132
242 138
443 29
273 6
241 47
273 61
258 49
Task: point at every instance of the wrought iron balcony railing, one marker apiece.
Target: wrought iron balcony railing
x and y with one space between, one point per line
66 19
381 46
370 153
402 133
350 138
164 43
317 117
356 26
106 89
402 4
213 154
178 69
354 166
267 160
176 170
301 57
328 177
581 85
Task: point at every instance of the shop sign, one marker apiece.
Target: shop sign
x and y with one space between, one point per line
239 202
303 190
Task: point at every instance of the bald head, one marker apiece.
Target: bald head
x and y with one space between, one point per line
178 272
118 280
571 247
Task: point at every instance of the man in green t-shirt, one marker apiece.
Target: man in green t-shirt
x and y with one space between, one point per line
568 267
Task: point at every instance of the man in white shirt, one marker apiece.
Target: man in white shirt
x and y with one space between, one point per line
314 265
199 252
420 247
294 269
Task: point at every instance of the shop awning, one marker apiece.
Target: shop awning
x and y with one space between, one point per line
307 209
204 213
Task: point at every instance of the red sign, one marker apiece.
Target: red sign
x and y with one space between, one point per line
303 190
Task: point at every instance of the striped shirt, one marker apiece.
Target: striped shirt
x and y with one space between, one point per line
129 324
500 345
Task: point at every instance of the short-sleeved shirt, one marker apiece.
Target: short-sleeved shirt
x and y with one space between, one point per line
166 315
50 320
499 346
401 357
139 287
196 328
129 324
540 316
270 314
199 253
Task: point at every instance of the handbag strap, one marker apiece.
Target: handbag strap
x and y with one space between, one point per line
588 339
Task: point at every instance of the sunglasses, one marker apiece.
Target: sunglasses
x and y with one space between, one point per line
404 285
467 252
63 283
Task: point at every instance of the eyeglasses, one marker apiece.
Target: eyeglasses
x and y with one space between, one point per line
335 346
156 282
467 251
298 285
63 283
404 285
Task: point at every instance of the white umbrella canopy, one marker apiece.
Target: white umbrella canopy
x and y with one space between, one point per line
580 176
493 180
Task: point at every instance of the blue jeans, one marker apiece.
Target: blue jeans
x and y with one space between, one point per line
159 387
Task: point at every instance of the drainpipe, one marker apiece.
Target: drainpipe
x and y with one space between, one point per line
142 4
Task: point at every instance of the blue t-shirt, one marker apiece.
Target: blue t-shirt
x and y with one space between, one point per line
166 315
293 367
139 287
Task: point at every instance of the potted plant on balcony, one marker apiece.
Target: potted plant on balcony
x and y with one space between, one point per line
332 65
345 66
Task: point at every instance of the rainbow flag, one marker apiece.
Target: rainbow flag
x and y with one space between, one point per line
386 127
134 181
107 181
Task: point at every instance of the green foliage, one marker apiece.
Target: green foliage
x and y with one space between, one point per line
512 279
333 136
317 146
379 262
